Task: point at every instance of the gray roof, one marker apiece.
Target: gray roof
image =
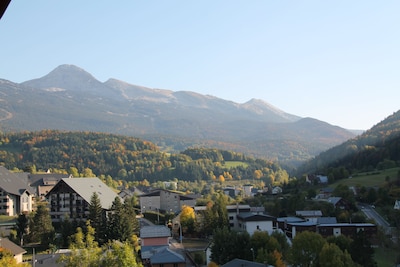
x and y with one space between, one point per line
38 179
326 220
248 216
85 187
290 219
308 213
12 183
165 256
154 231
10 246
334 200
244 263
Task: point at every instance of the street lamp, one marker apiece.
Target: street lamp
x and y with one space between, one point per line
252 251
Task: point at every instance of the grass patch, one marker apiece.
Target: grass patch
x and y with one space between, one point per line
385 257
195 243
369 179
7 219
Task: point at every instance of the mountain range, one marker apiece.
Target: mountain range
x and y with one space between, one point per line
69 98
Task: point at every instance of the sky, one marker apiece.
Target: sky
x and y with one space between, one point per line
335 61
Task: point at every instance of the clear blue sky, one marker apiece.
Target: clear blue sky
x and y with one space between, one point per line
336 61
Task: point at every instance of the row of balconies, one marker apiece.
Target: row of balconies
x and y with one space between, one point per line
65 197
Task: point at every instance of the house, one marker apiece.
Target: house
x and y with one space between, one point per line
15 250
276 190
316 179
154 235
71 197
165 200
43 183
244 263
247 190
309 215
347 229
326 226
162 257
170 185
339 203
397 205
15 194
230 191
325 193
130 192
155 249
233 211
252 222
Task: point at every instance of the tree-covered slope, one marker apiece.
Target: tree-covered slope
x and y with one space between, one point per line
376 148
127 158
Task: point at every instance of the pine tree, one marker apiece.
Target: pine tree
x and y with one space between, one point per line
41 227
97 217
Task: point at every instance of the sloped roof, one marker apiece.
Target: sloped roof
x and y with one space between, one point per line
309 213
251 217
334 200
12 183
85 187
165 256
10 246
38 179
243 263
154 231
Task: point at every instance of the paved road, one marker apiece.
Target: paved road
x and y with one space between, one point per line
372 214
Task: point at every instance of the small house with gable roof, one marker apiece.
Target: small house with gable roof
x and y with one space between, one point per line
15 250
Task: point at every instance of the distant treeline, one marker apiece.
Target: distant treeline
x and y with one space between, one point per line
127 158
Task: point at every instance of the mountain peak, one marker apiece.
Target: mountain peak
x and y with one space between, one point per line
261 107
66 77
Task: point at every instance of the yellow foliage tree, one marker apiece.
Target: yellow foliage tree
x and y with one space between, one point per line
257 174
187 219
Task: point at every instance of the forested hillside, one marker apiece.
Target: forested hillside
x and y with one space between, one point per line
127 158
377 148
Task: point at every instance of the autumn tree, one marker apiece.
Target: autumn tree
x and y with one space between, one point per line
120 254
85 252
84 249
187 219
7 259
